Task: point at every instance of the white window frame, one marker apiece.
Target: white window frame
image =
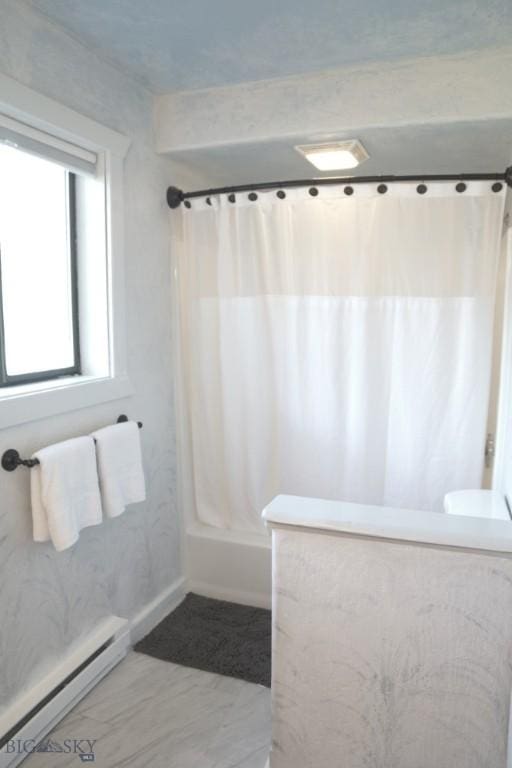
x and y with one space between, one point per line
28 402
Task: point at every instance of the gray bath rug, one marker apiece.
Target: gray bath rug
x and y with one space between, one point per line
215 636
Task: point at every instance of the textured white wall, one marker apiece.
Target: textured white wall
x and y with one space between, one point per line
467 87
49 600
389 655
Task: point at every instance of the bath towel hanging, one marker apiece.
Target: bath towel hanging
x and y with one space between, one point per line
119 467
65 491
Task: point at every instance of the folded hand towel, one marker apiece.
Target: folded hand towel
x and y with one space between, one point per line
65 491
119 467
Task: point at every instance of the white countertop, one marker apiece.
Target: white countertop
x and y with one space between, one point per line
389 523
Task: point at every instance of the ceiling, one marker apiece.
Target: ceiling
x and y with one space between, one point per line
192 44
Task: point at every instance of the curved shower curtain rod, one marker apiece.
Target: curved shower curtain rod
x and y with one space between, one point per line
176 196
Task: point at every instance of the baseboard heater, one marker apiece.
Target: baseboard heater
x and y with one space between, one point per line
30 717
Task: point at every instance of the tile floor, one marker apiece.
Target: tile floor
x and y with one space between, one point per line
153 714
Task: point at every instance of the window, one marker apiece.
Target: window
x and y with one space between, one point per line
62 312
39 334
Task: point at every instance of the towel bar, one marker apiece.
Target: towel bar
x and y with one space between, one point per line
11 458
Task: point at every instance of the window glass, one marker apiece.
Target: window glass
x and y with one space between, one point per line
37 265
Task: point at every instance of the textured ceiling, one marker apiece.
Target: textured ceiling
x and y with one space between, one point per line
189 44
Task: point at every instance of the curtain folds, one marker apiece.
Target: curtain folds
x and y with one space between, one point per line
334 346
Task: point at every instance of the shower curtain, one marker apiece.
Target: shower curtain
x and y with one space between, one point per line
335 346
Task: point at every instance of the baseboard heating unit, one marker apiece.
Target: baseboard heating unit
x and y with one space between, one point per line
30 717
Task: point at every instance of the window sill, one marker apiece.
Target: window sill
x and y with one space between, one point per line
29 402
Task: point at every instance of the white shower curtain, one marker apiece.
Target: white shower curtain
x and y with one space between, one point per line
335 346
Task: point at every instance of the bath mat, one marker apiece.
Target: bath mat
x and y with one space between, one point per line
215 636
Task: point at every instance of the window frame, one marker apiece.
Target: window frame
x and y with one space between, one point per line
50 374
101 271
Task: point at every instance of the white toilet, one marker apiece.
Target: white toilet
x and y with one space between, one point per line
477 503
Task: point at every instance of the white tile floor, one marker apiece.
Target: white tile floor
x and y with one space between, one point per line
153 714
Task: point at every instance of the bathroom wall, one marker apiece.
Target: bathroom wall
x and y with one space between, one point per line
389 653
48 601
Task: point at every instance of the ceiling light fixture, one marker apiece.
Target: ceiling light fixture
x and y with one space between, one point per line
334 156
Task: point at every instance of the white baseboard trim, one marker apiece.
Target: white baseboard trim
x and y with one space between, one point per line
153 613
113 630
256 599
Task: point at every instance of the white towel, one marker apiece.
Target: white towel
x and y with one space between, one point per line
65 491
119 467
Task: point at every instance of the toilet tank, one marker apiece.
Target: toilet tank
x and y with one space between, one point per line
477 503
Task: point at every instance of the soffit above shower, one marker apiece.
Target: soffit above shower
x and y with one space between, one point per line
448 114
173 45
475 147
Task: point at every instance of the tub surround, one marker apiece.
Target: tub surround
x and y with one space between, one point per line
392 637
